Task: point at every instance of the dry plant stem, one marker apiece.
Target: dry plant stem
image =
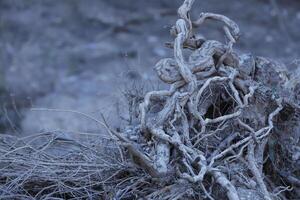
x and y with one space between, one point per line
256 172
183 67
259 153
146 103
271 116
183 11
163 148
234 29
226 184
250 129
207 194
155 94
249 95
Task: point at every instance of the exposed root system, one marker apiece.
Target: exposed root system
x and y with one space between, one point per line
227 127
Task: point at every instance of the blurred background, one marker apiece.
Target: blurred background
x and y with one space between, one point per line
81 54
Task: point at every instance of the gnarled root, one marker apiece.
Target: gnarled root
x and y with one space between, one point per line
213 112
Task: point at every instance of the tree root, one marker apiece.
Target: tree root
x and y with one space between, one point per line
216 130
211 89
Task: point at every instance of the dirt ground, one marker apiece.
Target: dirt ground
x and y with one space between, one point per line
80 55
